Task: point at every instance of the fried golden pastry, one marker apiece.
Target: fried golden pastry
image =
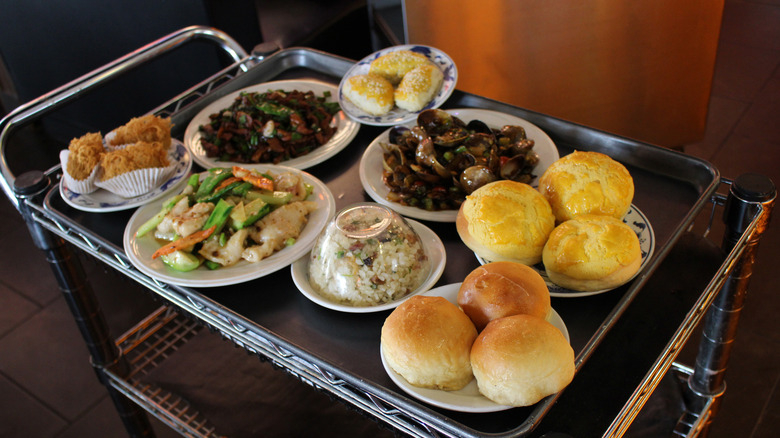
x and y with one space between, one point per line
149 128
141 155
418 87
84 155
371 93
394 65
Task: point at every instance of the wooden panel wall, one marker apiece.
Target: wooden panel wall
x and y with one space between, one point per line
639 68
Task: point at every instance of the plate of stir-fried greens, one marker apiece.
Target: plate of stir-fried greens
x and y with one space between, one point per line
295 123
229 225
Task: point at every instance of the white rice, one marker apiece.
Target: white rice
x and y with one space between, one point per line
368 271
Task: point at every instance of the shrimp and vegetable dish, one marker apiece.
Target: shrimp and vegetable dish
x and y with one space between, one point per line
269 127
231 214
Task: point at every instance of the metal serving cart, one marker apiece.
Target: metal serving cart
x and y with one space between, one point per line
613 381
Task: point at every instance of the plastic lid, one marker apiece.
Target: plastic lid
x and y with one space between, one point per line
754 187
30 182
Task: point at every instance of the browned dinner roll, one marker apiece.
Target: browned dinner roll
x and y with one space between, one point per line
587 182
371 93
501 289
418 87
427 340
506 221
518 360
592 252
394 65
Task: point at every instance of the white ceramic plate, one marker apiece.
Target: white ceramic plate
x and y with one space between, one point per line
644 231
397 115
103 201
371 163
434 249
467 399
347 129
140 251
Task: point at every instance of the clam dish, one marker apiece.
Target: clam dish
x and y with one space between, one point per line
436 163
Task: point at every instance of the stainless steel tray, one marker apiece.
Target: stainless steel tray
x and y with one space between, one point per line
339 352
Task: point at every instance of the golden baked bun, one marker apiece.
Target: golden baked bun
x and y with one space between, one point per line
518 360
505 221
427 340
587 182
371 93
394 65
592 252
418 87
500 289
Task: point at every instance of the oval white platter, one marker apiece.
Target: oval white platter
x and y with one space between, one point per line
140 250
346 130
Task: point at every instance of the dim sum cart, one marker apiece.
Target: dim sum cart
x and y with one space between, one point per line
625 341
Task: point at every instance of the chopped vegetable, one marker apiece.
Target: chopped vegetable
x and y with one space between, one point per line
181 261
184 242
215 176
274 198
219 216
245 215
221 221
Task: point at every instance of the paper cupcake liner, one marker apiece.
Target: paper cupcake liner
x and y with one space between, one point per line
108 138
84 186
137 182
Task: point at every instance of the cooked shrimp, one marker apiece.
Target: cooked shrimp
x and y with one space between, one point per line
193 219
165 228
293 183
272 231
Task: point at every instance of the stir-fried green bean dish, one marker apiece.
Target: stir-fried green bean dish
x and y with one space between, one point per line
269 127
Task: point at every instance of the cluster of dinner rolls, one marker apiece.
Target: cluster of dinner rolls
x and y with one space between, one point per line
572 223
400 78
497 334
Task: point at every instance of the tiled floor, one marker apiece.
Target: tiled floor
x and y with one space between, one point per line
47 388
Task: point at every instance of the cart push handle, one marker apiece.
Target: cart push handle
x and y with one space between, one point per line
102 75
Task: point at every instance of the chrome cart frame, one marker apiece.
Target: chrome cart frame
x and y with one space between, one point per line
690 184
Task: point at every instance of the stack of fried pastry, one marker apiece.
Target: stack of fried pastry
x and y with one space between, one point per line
129 161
